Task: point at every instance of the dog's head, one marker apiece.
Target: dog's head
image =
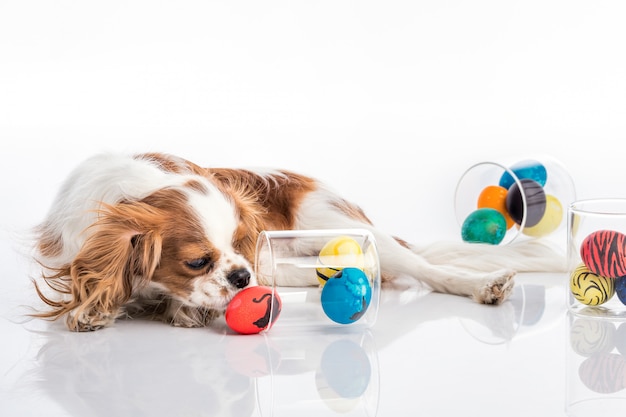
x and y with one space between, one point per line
178 243
186 244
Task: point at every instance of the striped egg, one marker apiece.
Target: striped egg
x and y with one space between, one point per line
589 288
603 252
604 373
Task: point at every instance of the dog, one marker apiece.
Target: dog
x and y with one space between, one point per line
157 234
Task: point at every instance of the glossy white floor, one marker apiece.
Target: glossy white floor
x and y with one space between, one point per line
428 354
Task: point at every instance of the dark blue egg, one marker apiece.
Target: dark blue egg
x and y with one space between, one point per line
536 202
620 288
346 296
529 169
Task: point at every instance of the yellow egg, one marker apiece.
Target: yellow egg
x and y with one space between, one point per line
340 252
589 288
550 220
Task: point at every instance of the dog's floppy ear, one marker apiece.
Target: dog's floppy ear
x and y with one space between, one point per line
121 252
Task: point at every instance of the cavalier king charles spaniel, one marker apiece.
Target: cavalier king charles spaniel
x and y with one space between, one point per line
157 234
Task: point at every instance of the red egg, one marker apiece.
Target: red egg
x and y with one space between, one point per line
604 253
253 310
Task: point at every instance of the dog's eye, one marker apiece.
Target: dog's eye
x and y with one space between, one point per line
198 263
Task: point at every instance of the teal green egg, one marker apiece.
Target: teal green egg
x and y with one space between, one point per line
485 225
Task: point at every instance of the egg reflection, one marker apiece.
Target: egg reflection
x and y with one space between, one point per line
589 337
344 375
598 360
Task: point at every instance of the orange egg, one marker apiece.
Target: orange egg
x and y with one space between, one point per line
494 197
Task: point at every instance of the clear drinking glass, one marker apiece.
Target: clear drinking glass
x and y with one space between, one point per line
499 202
330 373
596 367
324 278
596 258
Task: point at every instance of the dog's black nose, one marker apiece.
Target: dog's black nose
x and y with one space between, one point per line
239 277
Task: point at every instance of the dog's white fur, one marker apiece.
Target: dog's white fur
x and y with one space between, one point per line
156 234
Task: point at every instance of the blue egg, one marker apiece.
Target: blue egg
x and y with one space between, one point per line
346 296
528 169
620 288
485 225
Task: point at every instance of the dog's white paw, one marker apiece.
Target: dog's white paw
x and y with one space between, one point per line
89 321
496 287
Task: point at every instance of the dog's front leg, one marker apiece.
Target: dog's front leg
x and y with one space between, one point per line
88 320
180 315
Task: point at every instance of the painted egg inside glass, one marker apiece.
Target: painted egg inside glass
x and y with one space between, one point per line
603 253
528 169
550 221
620 290
338 253
535 202
346 296
485 225
494 196
589 288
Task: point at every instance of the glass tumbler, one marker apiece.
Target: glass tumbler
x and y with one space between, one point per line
324 278
596 258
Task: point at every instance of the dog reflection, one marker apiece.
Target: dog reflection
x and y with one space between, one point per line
147 372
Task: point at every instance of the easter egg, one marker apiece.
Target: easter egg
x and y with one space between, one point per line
603 253
346 296
494 196
485 225
535 202
589 288
528 169
550 221
253 310
338 253
620 288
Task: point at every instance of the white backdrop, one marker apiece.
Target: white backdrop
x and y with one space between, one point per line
389 102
